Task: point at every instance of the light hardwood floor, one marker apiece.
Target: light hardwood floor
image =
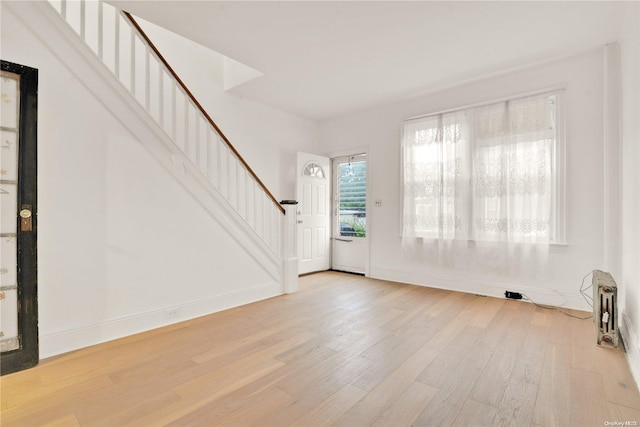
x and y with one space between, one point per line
344 351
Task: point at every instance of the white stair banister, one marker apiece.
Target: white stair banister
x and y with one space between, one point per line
187 115
125 50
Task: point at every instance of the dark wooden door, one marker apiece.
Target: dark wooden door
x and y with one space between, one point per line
18 197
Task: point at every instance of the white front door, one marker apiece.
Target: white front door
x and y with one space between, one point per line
350 235
314 218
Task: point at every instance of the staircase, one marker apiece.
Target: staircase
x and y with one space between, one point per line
189 144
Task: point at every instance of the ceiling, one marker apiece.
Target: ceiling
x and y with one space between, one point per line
322 59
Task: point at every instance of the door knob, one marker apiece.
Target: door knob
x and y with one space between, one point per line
25 218
299 221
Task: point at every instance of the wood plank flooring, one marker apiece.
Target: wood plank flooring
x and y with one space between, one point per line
343 351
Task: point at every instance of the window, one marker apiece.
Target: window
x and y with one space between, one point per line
351 194
313 170
489 173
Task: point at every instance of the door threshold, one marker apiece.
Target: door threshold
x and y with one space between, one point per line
312 272
348 272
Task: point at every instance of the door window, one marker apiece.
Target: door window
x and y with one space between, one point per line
352 196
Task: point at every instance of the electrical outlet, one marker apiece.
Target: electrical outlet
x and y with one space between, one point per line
172 313
378 203
512 295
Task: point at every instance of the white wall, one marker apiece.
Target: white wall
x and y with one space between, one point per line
121 246
630 280
380 129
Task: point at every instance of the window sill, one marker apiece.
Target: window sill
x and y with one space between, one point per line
553 247
558 248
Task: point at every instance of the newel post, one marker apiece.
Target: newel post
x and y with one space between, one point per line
290 246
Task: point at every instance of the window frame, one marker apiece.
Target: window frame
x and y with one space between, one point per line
557 220
336 162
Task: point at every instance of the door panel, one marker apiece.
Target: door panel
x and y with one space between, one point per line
350 255
307 243
305 200
314 220
321 239
321 199
350 245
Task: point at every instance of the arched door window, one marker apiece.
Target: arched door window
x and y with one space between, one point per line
313 170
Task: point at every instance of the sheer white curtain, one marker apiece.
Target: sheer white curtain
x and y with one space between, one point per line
483 175
436 183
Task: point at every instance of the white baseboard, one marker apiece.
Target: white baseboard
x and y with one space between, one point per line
493 289
632 346
73 339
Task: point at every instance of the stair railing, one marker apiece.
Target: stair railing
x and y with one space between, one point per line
123 47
